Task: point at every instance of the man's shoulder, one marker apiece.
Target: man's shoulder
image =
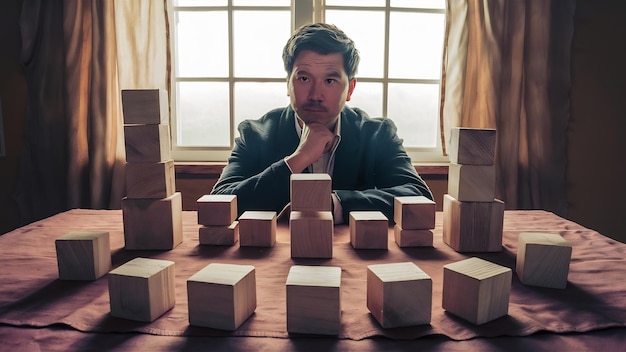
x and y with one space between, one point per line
272 119
362 120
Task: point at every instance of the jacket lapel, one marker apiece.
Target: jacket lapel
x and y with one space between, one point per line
287 140
346 168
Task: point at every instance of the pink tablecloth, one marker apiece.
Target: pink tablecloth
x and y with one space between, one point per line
32 296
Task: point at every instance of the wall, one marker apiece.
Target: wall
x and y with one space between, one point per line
596 170
596 173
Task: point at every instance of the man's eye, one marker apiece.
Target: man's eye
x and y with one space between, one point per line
330 80
303 79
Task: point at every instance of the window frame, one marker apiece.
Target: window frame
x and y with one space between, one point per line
302 12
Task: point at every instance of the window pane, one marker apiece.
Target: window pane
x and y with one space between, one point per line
259 38
200 2
253 100
368 34
368 97
414 109
415 45
416 4
202 114
202 44
355 3
261 2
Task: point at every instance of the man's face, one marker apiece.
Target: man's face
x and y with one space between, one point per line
319 87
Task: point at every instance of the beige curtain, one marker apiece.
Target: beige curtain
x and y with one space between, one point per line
78 55
507 66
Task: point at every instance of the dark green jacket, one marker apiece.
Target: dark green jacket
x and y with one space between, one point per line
371 165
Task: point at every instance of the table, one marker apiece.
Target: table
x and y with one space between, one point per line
40 312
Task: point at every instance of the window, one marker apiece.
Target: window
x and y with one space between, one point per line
227 67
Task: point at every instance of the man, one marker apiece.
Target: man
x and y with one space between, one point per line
318 133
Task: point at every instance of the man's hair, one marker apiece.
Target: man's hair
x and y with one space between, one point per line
323 39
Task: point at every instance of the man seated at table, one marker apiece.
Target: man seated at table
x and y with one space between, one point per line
318 133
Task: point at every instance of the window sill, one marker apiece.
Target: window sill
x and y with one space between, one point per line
214 169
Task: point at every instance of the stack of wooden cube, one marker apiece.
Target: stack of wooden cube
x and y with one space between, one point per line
152 209
311 219
415 218
472 217
217 214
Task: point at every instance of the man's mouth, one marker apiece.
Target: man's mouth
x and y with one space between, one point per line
314 108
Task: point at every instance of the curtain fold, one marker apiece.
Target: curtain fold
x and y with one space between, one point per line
507 66
78 55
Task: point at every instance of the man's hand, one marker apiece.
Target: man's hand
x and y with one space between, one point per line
315 141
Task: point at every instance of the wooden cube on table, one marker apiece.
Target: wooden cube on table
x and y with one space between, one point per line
145 106
83 255
472 183
314 300
142 289
369 230
219 235
147 143
152 224
222 296
217 209
150 180
476 290
412 238
414 212
311 192
257 229
543 259
399 294
473 226
472 146
311 234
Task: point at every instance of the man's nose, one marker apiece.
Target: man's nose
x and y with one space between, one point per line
316 92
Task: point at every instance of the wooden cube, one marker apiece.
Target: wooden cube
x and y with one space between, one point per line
399 294
217 209
414 212
472 146
142 289
221 296
152 224
147 143
257 229
150 180
543 259
369 230
145 106
412 238
311 234
219 235
476 290
473 226
83 255
472 183
311 192
314 300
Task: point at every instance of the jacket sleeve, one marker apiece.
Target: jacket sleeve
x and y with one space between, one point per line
258 182
390 174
